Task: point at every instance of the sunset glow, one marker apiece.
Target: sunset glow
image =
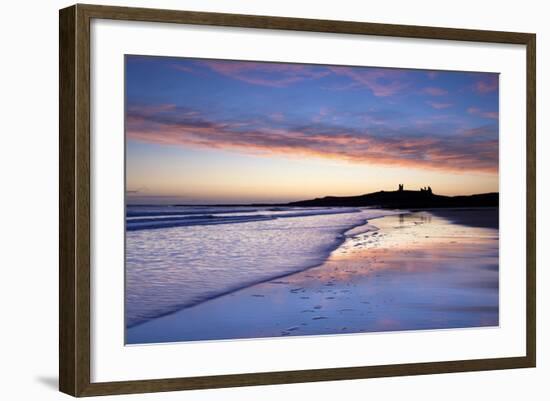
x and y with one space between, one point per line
209 131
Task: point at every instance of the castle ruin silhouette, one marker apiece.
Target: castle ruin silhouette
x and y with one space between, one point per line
427 190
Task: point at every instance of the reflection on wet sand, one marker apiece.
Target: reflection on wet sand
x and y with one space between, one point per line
412 271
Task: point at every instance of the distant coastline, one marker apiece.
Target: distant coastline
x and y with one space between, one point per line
398 199
404 199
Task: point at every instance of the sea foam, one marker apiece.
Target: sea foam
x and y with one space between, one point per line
195 254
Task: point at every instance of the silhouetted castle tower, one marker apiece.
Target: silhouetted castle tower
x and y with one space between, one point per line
427 190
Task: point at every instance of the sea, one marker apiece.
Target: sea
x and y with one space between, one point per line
180 256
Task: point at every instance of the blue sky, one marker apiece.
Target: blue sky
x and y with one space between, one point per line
236 131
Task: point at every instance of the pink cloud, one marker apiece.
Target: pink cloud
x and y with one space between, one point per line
432 74
434 91
184 68
485 132
279 117
485 114
323 112
151 110
381 82
266 74
486 85
448 153
439 106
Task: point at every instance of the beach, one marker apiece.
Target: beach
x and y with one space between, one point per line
408 270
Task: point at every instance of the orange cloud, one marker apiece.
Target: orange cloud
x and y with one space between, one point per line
424 151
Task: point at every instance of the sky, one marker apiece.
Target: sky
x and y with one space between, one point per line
204 131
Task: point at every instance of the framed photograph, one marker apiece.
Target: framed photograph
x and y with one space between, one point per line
250 200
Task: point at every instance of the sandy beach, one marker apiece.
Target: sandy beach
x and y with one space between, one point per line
420 270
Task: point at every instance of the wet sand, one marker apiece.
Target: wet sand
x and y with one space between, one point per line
421 270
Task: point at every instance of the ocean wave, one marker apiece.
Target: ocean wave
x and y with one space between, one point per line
181 266
221 216
152 211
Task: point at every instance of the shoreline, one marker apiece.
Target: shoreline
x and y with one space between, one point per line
351 291
167 270
339 240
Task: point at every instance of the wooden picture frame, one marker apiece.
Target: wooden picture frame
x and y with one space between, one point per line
74 203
